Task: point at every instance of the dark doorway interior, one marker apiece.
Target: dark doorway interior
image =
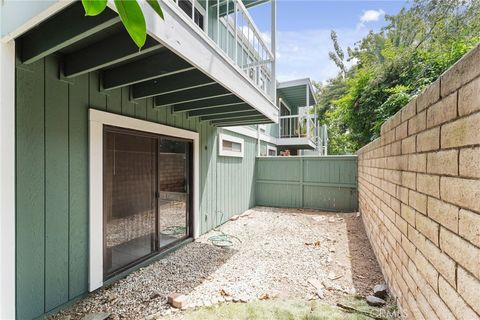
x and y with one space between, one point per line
146 196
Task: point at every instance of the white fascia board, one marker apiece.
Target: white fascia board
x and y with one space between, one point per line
299 82
252 133
7 180
293 83
97 120
27 14
295 142
179 34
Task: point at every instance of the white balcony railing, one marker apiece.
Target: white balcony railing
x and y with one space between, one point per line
298 126
230 26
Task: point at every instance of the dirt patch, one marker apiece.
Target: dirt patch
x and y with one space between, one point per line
283 250
275 254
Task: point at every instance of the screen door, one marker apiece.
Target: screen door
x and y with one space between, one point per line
130 186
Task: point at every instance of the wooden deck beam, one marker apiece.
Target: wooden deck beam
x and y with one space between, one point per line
243 107
105 53
159 65
253 114
229 100
200 93
67 27
173 83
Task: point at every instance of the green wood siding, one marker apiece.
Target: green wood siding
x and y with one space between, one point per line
327 183
52 179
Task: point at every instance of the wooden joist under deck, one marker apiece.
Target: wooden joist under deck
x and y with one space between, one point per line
105 53
177 82
161 64
222 123
200 93
253 114
242 107
223 101
67 27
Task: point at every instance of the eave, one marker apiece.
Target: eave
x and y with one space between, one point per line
179 67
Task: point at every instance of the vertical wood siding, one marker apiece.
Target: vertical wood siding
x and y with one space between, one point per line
327 183
52 179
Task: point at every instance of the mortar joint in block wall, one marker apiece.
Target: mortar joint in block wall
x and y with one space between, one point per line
420 205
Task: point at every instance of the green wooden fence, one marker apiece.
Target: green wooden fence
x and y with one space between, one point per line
327 183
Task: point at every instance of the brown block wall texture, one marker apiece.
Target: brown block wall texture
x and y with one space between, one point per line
419 194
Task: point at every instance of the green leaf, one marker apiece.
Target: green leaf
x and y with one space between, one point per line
156 6
132 18
94 7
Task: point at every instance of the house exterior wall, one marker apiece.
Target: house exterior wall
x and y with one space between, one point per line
264 148
419 186
7 180
52 179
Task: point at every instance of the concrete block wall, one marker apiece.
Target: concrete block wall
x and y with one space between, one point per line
172 172
419 195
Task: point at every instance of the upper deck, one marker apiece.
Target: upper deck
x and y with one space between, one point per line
206 58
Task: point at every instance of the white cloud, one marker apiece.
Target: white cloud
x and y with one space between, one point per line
371 15
305 53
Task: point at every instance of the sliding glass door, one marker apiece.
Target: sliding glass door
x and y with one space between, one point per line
146 196
174 170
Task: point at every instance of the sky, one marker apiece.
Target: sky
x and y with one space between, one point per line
304 26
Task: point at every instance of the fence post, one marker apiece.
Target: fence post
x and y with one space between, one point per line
301 182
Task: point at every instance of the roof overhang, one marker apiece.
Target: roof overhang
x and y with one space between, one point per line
297 93
179 66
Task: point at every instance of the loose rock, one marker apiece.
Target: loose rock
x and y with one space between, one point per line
264 296
317 284
320 294
177 300
375 302
96 316
380 291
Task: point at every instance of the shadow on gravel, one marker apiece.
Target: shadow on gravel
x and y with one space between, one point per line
365 269
144 292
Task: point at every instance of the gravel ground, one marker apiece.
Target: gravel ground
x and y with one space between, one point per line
279 252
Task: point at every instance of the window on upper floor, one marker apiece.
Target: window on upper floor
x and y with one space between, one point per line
199 14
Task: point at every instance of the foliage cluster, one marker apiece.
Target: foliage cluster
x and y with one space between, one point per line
390 67
130 13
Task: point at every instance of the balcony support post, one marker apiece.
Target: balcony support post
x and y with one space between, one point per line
207 9
274 49
236 30
308 128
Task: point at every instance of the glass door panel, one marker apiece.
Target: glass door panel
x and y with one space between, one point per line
130 208
173 165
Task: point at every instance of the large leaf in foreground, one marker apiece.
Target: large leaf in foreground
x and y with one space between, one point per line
133 20
94 7
156 6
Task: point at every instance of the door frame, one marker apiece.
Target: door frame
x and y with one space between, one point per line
97 121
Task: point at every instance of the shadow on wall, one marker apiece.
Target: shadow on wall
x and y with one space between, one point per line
364 264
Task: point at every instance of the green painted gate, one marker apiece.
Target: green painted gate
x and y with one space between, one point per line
327 182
